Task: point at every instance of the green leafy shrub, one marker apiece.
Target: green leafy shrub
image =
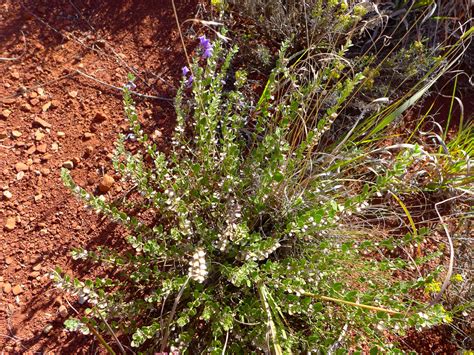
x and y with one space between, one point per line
266 235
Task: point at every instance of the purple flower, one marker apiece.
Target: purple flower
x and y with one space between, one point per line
185 70
206 45
207 53
189 82
204 42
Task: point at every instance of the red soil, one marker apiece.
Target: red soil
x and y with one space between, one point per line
50 41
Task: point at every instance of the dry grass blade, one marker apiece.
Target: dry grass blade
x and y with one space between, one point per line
449 273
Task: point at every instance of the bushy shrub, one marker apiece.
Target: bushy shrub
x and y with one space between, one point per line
392 43
268 232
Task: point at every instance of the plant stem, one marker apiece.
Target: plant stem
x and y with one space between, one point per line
337 300
170 318
101 340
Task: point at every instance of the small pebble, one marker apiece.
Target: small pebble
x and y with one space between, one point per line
106 183
16 134
46 106
17 290
42 148
48 329
39 135
21 166
68 164
5 113
42 123
10 223
63 311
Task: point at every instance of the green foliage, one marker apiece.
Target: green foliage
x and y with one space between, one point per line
260 240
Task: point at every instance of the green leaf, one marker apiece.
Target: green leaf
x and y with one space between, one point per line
278 177
318 307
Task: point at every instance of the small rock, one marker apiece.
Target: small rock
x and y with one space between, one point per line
42 123
33 94
55 103
34 102
26 107
7 195
10 223
100 117
5 113
21 166
8 260
20 175
68 164
54 146
31 150
17 290
88 135
7 287
73 94
42 148
3 134
48 329
34 274
15 75
89 150
46 106
61 134
45 171
63 311
106 183
40 91
39 135
16 134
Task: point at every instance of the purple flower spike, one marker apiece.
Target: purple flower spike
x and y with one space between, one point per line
206 46
185 70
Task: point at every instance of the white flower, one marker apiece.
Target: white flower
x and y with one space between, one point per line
198 266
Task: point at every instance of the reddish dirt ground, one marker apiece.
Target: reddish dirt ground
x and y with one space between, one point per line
43 43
